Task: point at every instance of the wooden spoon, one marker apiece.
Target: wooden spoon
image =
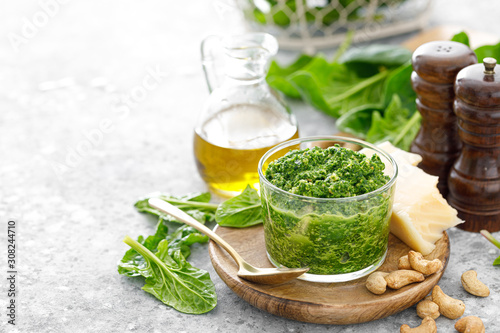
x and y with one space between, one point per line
246 271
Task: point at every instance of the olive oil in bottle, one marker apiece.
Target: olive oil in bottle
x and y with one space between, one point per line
229 145
242 118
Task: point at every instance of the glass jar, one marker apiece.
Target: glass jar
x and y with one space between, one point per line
243 117
339 239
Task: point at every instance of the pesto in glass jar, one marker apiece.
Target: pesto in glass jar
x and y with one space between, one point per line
327 235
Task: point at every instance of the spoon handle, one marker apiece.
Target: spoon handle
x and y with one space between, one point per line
183 217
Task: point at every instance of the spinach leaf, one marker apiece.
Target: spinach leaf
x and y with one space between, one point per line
242 211
485 51
399 83
132 262
496 261
183 238
353 89
367 61
358 120
461 37
195 204
334 89
395 125
276 77
482 52
174 281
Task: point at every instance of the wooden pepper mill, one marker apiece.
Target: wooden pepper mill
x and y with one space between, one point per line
474 181
435 66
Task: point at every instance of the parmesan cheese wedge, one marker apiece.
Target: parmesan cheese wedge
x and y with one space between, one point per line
420 214
399 155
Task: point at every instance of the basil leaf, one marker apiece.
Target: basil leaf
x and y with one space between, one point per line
195 204
174 281
242 211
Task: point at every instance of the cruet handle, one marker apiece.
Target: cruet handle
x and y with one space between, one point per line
211 49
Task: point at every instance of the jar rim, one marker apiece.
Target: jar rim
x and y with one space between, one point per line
361 143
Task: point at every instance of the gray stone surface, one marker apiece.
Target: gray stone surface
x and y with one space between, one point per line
80 141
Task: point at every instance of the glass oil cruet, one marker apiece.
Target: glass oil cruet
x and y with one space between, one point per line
242 118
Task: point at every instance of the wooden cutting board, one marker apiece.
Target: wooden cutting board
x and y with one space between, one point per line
322 303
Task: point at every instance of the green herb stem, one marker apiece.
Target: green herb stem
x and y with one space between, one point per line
344 46
142 250
360 86
192 203
490 237
408 126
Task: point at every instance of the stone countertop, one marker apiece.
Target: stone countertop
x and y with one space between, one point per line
98 101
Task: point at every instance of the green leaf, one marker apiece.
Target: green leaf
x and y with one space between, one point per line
276 77
310 90
408 132
344 46
132 262
242 211
486 234
358 120
340 91
461 37
399 83
394 125
493 241
183 238
485 51
367 61
384 127
497 261
174 281
195 204
334 89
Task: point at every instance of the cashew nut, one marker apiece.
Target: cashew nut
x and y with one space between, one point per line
427 308
428 325
404 263
403 277
473 286
470 324
376 283
449 307
422 265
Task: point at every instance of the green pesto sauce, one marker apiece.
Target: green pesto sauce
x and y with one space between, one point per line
334 172
329 237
